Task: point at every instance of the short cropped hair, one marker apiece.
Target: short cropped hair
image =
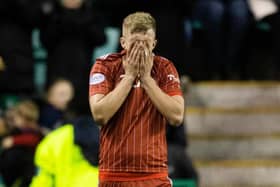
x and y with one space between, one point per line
139 22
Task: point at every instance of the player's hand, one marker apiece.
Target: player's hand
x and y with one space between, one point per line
131 60
146 62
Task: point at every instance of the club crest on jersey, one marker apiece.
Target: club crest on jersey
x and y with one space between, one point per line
96 78
173 78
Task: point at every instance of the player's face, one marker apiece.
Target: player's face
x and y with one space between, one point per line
145 38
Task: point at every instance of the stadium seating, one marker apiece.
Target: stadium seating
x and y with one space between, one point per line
234 132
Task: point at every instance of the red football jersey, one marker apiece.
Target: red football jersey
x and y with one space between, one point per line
134 138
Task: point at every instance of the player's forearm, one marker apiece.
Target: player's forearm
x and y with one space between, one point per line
104 108
170 107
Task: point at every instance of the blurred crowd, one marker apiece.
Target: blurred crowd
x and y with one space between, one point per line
205 39
208 40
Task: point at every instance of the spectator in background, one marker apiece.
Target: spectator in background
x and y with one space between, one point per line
272 19
68 156
226 23
17 20
54 108
19 144
70 31
275 24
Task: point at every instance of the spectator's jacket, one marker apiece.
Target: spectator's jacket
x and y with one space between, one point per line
61 162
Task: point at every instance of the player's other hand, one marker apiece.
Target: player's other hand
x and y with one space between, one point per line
146 61
131 60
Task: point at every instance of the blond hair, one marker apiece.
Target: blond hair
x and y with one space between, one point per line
28 110
138 22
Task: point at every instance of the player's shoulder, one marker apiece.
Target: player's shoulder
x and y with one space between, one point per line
107 63
162 61
110 57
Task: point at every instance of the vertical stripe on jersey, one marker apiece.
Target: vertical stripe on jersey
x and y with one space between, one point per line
127 145
147 143
134 104
158 126
134 140
141 140
122 135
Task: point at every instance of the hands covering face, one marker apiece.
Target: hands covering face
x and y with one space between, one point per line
138 61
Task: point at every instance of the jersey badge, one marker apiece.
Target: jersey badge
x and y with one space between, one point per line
96 78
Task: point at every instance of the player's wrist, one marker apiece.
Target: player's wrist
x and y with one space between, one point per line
146 80
129 78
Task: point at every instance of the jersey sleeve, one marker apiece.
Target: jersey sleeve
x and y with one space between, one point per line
170 81
100 79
